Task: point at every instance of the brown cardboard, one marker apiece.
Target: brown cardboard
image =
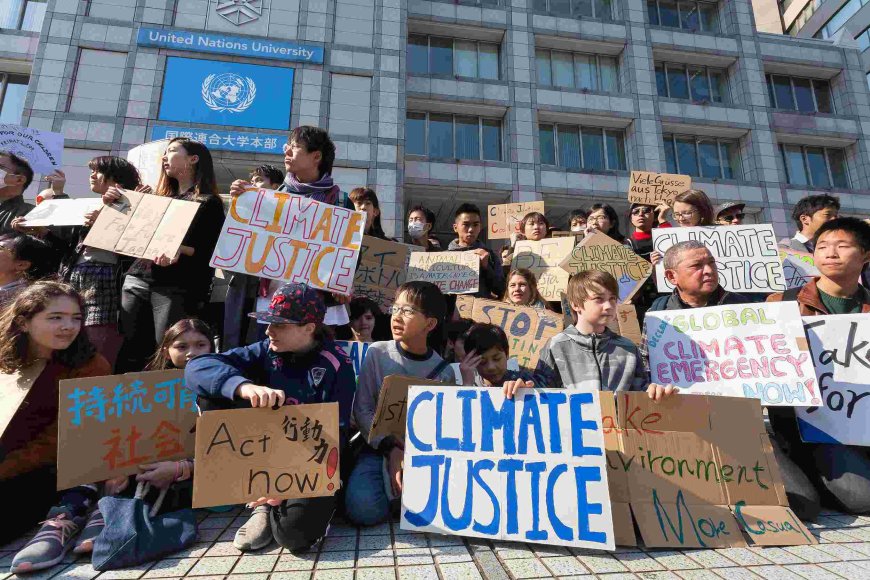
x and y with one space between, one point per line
601 252
527 329
502 218
464 305
129 420
245 454
543 259
650 188
705 463
112 220
629 327
14 389
452 272
171 230
381 270
390 414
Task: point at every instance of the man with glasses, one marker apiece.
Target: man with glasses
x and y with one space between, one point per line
730 213
15 176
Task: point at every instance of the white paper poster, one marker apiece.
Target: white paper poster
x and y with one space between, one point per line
43 150
62 212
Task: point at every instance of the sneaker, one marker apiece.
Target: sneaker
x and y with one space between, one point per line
92 529
50 544
256 533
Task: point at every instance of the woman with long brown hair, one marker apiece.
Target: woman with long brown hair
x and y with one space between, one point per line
41 344
157 294
522 290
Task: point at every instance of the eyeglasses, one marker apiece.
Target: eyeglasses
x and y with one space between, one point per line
732 217
685 214
641 210
404 311
597 218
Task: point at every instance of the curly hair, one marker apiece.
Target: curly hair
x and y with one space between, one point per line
31 301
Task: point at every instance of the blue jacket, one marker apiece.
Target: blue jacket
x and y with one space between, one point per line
324 375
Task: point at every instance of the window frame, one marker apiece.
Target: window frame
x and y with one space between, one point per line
726 94
806 166
4 86
580 128
768 77
598 75
453 42
679 6
22 11
548 10
670 139
480 136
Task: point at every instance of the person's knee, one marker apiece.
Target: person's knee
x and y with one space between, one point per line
845 473
365 500
299 524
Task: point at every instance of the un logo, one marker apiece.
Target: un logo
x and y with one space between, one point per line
228 92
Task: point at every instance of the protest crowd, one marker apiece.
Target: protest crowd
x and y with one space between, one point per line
329 318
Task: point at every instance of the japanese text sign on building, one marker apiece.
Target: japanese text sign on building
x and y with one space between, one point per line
502 218
601 252
43 150
108 426
528 469
747 257
289 237
218 140
743 350
655 189
245 454
452 272
839 347
528 330
543 259
381 269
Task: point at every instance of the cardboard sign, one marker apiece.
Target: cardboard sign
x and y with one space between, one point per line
528 330
62 212
601 252
841 357
381 269
744 350
543 259
356 351
464 306
108 426
452 272
690 478
245 454
14 389
142 225
529 469
654 189
148 159
392 406
797 267
502 219
747 257
284 236
626 324
43 150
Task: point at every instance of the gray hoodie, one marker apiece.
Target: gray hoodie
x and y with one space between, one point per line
586 362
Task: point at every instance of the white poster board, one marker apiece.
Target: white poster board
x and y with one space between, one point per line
530 469
62 212
747 257
744 350
43 150
452 272
148 159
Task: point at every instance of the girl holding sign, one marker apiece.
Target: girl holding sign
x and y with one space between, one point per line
41 344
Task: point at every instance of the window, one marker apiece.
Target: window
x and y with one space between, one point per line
446 136
582 148
588 72
815 166
22 14
13 89
601 9
840 17
696 83
702 156
799 94
864 39
97 82
693 16
436 55
802 17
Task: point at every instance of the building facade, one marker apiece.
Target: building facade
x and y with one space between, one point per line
486 101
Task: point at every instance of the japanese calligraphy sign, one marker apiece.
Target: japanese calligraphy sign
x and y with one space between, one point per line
744 350
502 219
689 478
543 259
601 252
108 426
245 454
529 469
392 406
62 212
289 237
356 351
655 189
842 360
452 272
797 267
747 257
527 329
381 269
14 389
142 225
148 159
43 150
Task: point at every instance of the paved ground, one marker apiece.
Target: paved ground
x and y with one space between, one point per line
388 553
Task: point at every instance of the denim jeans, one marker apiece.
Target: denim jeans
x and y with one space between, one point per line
365 501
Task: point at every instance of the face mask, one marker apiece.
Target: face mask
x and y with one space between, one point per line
416 230
3 175
577 228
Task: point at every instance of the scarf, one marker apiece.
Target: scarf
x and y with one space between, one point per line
323 189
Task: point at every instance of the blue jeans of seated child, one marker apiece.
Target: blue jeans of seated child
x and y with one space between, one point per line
365 501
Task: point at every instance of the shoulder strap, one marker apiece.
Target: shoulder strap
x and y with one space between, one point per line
437 370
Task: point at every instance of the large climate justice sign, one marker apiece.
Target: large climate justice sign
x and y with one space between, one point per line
529 469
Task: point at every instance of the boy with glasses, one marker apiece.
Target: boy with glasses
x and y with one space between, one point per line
730 213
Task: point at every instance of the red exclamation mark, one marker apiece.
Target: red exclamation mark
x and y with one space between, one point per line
331 466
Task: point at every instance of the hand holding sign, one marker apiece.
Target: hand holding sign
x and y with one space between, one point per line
260 396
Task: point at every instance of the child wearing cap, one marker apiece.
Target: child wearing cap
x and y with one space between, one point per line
416 313
301 364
